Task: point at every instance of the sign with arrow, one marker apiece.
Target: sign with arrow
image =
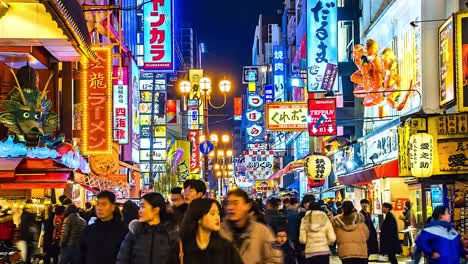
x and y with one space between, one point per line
206 147
322 117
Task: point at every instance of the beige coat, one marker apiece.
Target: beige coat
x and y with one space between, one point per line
351 236
258 246
316 233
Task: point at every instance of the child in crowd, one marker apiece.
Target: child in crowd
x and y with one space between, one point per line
289 254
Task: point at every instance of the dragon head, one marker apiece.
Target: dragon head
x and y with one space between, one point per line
26 109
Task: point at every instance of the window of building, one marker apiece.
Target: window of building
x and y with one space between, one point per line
340 3
345 40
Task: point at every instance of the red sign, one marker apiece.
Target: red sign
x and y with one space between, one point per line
171 111
97 103
322 117
193 137
120 74
237 107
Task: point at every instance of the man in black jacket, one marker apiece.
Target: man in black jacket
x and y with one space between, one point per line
178 205
73 227
100 242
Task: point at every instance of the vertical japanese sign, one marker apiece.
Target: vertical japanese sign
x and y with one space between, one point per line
121 120
322 45
193 137
135 112
195 94
237 108
322 117
158 35
254 128
97 103
461 51
278 72
269 94
446 65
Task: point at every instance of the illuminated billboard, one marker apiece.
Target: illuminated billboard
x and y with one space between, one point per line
159 35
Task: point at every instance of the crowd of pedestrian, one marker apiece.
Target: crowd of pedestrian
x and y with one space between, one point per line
195 230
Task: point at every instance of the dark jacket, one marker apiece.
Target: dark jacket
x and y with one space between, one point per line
179 213
145 244
389 240
73 227
101 241
219 250
294 224
28 228
440 237
372 243
289 253
275 220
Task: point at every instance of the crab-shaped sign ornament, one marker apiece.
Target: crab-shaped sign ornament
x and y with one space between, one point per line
377 79
26 111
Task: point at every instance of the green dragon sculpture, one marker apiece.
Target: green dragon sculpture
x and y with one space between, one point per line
26 111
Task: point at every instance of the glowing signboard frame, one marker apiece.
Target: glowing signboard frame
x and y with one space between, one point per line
286 107
104 53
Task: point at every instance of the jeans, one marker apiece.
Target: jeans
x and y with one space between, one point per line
323 259
354 261
70 255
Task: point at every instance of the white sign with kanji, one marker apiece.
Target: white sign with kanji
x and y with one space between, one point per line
121 122
259 164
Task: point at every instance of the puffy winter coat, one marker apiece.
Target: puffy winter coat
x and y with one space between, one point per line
257 243
316 233
73 227
351 235
145 244
441 237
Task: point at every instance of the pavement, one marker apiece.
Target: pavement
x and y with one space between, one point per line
401 260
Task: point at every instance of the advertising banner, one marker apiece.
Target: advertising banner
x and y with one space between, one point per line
195 96
453 154
97 103
159 35
322 45
322 117
278 72
121 119
269 94
287 116
461 51
259 164
381 148
238 108
446 65
193 138
135 112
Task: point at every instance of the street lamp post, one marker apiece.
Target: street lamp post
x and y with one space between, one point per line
205 88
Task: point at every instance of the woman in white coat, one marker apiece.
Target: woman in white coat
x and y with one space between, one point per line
317 234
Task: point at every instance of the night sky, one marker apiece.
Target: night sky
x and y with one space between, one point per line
227 27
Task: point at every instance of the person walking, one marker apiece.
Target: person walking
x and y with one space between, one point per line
151 239
439 241
389 242
129 212
179 207
73 227
101 240
351 235
372 242
317 234
254 241
274 218
48 235
28 230
201 242
194 189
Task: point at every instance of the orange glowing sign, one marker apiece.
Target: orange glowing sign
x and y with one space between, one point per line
97 103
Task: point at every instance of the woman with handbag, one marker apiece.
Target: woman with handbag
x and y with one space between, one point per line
151 239
201 242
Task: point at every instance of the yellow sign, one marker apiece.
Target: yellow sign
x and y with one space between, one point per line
195 92
453 154
403 147
252 87
264 186
160 131
287 116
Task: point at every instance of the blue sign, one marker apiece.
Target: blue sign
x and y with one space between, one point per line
206 147
269 93
159 35
278 72
322 45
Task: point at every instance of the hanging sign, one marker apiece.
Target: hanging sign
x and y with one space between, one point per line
317 167
254 115
446 65
287 116
250 74
322 45
421 154
259 164
461 60
254 131
159 35
97 103
255 101
322 117
269 93
278 72
193 137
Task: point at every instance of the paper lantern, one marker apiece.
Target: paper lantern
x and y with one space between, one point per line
421 154
317 167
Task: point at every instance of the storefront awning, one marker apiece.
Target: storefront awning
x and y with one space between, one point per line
8 167
385 170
